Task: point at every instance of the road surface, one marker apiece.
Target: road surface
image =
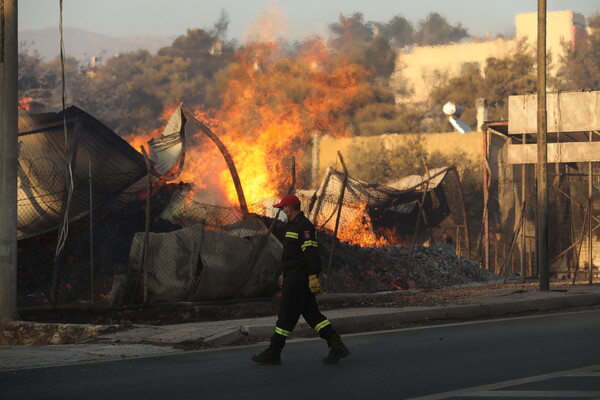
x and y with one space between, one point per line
552 355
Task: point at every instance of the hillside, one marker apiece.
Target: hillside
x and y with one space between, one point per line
83 45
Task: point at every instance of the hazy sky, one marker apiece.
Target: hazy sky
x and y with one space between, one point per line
294 19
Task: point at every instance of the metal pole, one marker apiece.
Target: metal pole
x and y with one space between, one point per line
523 195
542 152
147 228
590 208
8 159
91 231
486 218
339 210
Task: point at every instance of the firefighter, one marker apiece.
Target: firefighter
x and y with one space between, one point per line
299 282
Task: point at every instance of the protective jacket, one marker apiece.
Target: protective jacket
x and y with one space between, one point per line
300 256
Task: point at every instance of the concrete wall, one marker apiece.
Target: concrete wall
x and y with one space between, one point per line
325 154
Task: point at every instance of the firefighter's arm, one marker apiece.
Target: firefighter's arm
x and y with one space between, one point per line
313 260
310 252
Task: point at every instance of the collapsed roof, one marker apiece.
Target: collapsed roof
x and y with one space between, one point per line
394 206
58 167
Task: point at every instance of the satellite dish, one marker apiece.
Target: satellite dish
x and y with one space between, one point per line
453 111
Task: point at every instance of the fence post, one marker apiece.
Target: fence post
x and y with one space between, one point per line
591 202
91 231
8 161
147 228
523 195
412 244
339 211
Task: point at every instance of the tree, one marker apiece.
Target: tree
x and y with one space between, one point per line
353 38
349 30
580 65
398 31
502 77
508 76
35 81
435 30
373 162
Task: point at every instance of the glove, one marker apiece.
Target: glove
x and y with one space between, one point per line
314 285
280 281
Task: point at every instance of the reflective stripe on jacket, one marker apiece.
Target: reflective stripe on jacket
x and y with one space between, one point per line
300 256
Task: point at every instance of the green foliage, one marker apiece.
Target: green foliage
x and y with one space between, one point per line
381 118
354 38
349 30
463 90
35 80
435 30
502 77
130 91
372 162
398 31
580 66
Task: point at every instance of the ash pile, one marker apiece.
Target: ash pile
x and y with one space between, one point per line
356 269
364 269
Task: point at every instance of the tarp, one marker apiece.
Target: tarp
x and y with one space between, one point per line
393 206
194 263
168 150
97 155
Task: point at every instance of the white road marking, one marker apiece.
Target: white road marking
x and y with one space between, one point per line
491 390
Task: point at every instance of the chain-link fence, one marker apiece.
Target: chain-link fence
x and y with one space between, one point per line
193 252
426 209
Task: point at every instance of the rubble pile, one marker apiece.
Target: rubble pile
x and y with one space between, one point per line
376 269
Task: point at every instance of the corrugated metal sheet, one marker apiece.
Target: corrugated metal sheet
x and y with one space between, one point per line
410 182
96 151
168 150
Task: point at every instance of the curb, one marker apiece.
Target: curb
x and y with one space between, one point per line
364 321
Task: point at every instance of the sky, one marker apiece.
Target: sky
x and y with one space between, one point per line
294 19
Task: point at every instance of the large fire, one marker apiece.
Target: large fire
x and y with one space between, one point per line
273 105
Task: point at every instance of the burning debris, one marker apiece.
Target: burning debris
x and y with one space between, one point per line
358 269
198 251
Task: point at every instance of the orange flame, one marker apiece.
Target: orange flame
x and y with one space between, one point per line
273 105
24 103
356 228
139 139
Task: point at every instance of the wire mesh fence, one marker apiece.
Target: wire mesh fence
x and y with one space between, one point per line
196 251
572 224
427 209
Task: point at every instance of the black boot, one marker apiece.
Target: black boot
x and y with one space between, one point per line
337 349
272 355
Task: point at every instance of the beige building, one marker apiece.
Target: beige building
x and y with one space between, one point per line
420 68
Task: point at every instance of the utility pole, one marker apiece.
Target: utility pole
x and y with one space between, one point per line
8 159
542 153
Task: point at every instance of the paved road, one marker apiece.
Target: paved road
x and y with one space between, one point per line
445 362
